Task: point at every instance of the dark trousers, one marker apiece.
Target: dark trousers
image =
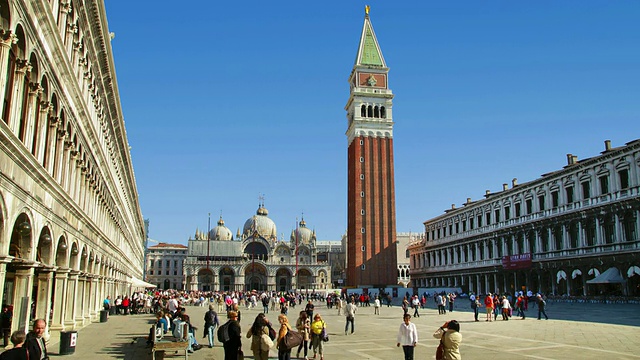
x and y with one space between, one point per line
408 352
346 326
304 345
475 312
450 306
415 311
541 311
284 354
231 352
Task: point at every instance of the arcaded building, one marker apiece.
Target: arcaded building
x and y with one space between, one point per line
255 259
165 265
71 229
558 234
371 212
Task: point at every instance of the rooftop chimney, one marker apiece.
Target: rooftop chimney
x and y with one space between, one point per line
453 206
505 187
514 182
570 159
487 192
607 145
575 159
468 200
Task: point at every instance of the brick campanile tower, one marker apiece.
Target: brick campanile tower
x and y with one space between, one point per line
371 210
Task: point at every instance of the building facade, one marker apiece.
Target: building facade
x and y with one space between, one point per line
71 229
371 218
255 259
165 265
555 234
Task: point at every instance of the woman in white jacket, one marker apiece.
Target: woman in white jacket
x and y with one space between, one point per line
407 337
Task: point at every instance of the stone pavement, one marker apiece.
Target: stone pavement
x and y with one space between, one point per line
586 331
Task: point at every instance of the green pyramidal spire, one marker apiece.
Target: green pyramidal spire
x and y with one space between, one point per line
369 52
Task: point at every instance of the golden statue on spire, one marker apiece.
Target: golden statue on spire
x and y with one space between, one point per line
366 9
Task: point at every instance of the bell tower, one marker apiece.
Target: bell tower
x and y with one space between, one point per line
371 223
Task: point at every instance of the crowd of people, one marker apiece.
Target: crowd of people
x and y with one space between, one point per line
504 305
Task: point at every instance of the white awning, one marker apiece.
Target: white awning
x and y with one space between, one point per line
595 272
137 283
611 276
634 270
561 275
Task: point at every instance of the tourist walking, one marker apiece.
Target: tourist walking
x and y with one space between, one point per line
303 325
416 305
233 346
450 338
506 307
318 333
376 306
259 329
350 312
541 306
488 303
407 337
211 322
284 353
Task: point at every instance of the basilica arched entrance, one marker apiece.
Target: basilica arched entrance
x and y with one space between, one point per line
255 277
227 279
305 279
205 279
283 279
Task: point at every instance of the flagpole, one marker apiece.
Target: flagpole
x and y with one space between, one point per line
208 239
297 277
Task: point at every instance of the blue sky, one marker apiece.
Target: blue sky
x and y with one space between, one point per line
224 101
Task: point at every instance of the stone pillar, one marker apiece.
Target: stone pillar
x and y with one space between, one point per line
82 304
554 283
6 40
618 228
22 291
22 68
60 300
31 128
94 298
495 281
43 298
72 303
3 274
598 231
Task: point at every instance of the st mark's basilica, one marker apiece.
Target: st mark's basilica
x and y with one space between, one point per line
255 259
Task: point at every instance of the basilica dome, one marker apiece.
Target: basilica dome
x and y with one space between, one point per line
260 223
303 234
221 232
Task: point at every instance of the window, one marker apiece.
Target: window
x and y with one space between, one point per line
541 202
362 248
150 272
361 176
151 263
529 205
361 159
517 206
569 193
167 272
362 230
175 272
362 212
457 228
507 212
362 267
406 254
361 142
175 263
471 224
464 225
361 193
479 220
554 199
488 218
604 185
586 190
497 215
450 229
167 264
624 178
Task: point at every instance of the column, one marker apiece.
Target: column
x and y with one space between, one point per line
32 129
43 298
52 144
3 274
487 288
598 230
554 280
617 228
94 298
60 300
71 305
6 40
22 290
495 281
82 304
22 68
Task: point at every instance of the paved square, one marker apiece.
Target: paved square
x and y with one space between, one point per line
585 331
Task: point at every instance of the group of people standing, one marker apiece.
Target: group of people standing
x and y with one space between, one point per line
496 304
28 346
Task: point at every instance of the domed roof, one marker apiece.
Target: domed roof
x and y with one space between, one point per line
303 234
260 223
221 232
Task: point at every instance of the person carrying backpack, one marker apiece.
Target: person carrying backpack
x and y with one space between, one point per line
210 324
229 335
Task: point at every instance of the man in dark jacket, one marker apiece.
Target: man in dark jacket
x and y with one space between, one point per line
234 345
210 324
35 341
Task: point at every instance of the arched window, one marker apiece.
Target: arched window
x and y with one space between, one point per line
370 111
383 112
363 111
376 112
